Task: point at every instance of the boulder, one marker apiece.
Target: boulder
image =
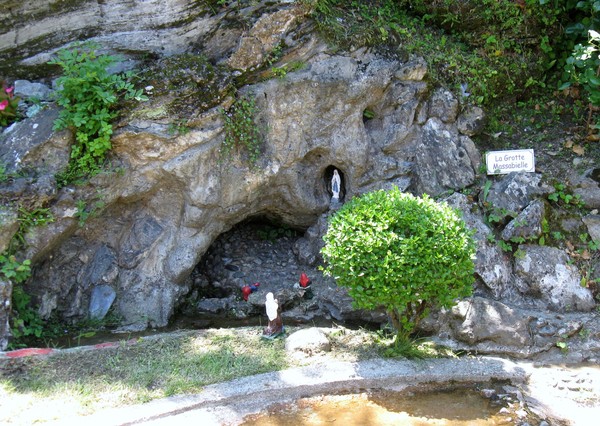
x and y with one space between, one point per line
442 159
479 321
308 341
527 225
514 191
471 121
592 221
547 273
492 265
587 187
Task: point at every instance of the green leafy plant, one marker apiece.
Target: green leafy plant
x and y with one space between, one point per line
88 93
178 127
24 320
405 254
582 66
8 105
241 130
13 270
561 195
84 212
29 219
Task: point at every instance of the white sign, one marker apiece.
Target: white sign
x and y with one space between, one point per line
503 162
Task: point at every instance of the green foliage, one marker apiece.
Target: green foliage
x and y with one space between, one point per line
8 105
562 196
178 127
13 270
582 68
25 321
485 50
400 252
241 130
88 94
29 219
84 212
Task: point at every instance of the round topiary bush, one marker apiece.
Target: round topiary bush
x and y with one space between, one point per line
400 252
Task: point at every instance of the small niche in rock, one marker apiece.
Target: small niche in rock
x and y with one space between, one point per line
368 114
329 173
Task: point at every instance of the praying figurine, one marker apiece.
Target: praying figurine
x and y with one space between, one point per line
335 186
275 326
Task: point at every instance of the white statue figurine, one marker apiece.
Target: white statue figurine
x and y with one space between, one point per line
275 325
335 186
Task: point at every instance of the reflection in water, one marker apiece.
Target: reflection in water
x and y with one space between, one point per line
456 408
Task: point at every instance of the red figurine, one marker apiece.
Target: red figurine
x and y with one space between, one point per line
247 289
304 280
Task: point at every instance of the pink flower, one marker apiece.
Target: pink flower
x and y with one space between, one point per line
9 90
3 105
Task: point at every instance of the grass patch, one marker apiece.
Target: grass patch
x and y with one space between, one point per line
87 381
74 383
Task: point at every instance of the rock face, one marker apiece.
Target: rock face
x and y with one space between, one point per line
135 240
175 197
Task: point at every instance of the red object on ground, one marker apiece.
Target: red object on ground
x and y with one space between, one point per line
28 352
304 280
246 290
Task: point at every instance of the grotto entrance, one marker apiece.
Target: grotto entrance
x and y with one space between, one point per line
262 253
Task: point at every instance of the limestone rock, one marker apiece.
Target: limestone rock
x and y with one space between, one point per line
479 320
175 195
9 224
32 143
592 221
442 161
491 264
587 186
471 121
32 90
527 224
513 192
31 31
546 272
309 341
263 38
443 105
102 298
308 248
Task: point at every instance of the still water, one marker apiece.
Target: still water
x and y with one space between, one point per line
378 408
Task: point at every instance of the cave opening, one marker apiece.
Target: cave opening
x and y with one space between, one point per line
258 250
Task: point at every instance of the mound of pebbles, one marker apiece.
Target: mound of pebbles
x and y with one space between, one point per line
262 254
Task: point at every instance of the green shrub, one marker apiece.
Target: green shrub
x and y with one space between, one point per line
405 254
88 94
582 69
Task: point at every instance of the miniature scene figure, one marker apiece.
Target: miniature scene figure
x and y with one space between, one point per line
275 325
249 289
304 287
335 186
